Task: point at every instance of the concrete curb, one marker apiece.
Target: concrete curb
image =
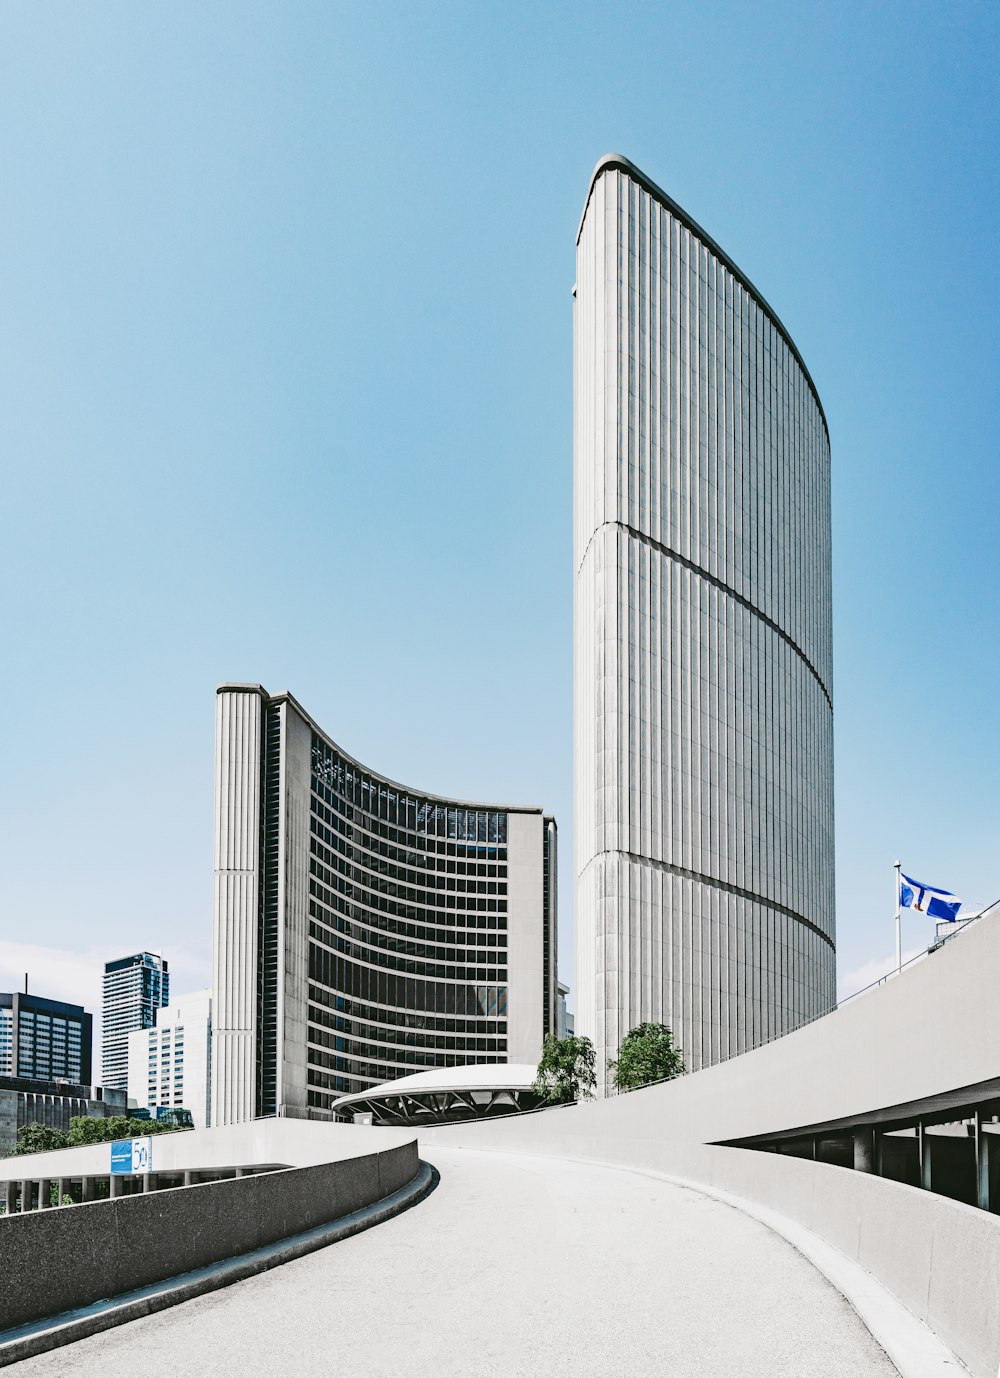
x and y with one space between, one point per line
909 1342
39 1336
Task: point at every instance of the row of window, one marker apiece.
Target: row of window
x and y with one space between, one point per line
377 1072
400 1062
327 885
371 928
391 962
340 1013
374 870
461 946
391 805
355 876
451 858
390 1041
405 992
408 849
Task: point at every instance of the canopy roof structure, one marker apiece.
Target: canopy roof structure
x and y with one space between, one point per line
444 1094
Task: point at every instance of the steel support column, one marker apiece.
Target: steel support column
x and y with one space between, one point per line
924 1155
983 1148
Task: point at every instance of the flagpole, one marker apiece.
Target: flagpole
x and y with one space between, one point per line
899 946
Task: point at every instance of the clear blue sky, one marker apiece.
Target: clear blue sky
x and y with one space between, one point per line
286 376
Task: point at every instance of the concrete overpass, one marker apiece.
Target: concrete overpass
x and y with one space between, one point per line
544 1206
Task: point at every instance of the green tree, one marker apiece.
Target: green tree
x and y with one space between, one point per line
39 1138
566 1071
84 1130
647 1054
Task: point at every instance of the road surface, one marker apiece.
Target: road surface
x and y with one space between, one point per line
514 1266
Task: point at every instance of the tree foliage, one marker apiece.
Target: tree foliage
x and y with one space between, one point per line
566 1071
40 1138
647 1054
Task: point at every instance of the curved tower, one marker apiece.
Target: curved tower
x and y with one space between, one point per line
703 717
363 930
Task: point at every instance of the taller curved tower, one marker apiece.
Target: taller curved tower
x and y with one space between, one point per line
702 642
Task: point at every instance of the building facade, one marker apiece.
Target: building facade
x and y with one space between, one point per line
363 930
703 717
135 988
169 1066
25 1100
46 1040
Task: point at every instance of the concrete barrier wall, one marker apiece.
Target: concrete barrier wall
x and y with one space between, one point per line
279 1142
941 1259
55 1260
931 1030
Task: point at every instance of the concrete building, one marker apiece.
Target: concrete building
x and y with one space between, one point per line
134 989
26 1100
169 1066
44 1040
702 642
564 1020
364 930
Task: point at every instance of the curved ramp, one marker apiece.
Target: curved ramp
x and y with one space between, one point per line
519 1266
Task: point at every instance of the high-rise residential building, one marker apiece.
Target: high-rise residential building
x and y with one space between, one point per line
135 988
364 930
702 642
44 1040
170 1065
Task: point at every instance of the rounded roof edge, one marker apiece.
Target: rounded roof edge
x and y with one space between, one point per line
285 696
232 687
612 162
492 1076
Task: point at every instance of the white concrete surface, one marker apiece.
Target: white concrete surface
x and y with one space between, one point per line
938 1258
518 1266
292 1143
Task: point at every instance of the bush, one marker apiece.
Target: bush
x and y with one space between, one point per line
647 1054
40 1138
566 1071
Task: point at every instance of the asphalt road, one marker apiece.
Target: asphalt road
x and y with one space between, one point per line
514 1266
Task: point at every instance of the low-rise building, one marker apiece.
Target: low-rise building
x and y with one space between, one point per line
28 1100
564 1020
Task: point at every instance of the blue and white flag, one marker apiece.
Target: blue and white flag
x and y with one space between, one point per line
928 899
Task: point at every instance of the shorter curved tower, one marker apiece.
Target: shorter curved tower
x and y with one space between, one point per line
363 930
